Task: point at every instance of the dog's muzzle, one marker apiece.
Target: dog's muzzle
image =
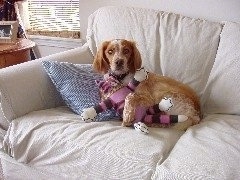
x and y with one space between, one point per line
119 64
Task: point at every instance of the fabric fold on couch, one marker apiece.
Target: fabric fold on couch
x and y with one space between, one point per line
11 169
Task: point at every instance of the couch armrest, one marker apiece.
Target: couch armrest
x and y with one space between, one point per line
26 87
78 55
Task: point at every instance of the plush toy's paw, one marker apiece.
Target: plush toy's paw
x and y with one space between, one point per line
141 127
141 75
89 115
182 118
166 104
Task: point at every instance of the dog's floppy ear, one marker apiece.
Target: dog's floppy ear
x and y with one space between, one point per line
101 63
136 60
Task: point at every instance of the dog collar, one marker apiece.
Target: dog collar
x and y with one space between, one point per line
118 77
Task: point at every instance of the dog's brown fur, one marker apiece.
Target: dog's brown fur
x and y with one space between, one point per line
150 91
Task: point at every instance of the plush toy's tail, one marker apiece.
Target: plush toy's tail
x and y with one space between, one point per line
164 119
155 114
152 115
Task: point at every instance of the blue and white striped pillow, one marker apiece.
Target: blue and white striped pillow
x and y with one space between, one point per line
76 85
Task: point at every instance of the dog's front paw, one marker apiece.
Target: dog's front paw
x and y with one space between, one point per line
166 104
89 115
141 75
141 127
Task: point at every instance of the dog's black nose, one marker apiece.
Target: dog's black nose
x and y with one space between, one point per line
119 62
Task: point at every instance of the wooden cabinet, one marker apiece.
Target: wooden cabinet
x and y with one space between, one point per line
11 54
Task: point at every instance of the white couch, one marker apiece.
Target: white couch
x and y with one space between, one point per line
43 139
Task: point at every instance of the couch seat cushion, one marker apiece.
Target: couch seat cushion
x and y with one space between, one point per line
209 150
58 142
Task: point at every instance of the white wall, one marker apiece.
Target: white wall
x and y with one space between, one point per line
214 10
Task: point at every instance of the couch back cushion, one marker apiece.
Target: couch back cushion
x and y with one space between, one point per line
223 88
188 48
170 44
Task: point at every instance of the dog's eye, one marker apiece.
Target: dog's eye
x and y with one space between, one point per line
110 51
125 51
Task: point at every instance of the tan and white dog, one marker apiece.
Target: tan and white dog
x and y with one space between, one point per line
157 94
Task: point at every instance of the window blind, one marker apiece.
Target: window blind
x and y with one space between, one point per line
52 15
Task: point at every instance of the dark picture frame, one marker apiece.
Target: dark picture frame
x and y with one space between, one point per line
8 31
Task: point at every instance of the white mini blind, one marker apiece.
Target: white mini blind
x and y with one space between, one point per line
50 15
